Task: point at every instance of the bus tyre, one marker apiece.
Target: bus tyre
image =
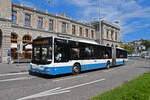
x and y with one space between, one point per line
76 69
108 65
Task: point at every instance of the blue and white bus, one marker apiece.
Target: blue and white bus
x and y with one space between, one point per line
54 56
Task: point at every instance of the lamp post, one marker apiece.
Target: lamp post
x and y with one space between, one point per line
100 35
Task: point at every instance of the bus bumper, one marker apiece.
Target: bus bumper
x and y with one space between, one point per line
51 70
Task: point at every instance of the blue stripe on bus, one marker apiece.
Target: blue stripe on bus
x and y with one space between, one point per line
68 69
93 66
53 70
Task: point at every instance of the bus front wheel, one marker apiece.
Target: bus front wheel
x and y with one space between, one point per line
76 69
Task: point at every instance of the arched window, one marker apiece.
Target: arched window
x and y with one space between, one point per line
14 38
92 33
112 34
87 32
27 47
107 45
116 36
107 34
27 39
14 41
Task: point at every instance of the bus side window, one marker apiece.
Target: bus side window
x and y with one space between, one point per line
61 51
75 53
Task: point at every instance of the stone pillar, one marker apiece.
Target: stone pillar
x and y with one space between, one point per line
55 24
20 18
5 27
34 20
77 30
6 43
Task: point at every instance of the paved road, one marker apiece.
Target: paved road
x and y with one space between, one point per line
14 68
22 86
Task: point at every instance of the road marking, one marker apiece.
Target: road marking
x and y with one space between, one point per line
16 79
14 74
45 93
69 78
57 90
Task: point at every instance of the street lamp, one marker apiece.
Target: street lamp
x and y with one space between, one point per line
100 35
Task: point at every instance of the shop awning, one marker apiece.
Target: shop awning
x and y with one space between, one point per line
13 45
29 46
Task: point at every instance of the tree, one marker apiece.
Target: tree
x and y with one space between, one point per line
127 47
146 43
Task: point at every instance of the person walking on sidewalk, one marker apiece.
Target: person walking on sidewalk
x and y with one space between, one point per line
9 58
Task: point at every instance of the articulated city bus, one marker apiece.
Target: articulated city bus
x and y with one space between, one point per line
54 56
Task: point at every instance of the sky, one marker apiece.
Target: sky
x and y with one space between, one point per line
133 15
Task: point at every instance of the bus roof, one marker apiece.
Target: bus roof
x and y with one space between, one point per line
80 40
121 48
88 41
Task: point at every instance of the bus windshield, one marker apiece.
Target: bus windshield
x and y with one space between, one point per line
42 54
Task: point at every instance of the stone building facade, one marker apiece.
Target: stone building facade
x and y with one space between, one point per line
19 25
110 34
5 28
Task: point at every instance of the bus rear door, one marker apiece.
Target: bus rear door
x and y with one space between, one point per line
113 56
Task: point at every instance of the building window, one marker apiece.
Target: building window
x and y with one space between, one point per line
73 29
87 32
107 34
64 27
92 33
80 31
14 17
112 34
40 22
27 19
116 36
50 25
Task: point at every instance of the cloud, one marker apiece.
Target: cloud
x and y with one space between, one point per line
124 11
131 14
27 3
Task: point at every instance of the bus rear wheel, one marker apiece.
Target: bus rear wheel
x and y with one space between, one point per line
76 69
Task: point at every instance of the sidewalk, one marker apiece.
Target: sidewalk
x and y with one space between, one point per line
14 68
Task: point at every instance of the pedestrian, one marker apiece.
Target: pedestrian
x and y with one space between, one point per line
9 58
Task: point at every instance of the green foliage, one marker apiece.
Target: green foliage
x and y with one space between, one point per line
137 89
146 44
129 48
